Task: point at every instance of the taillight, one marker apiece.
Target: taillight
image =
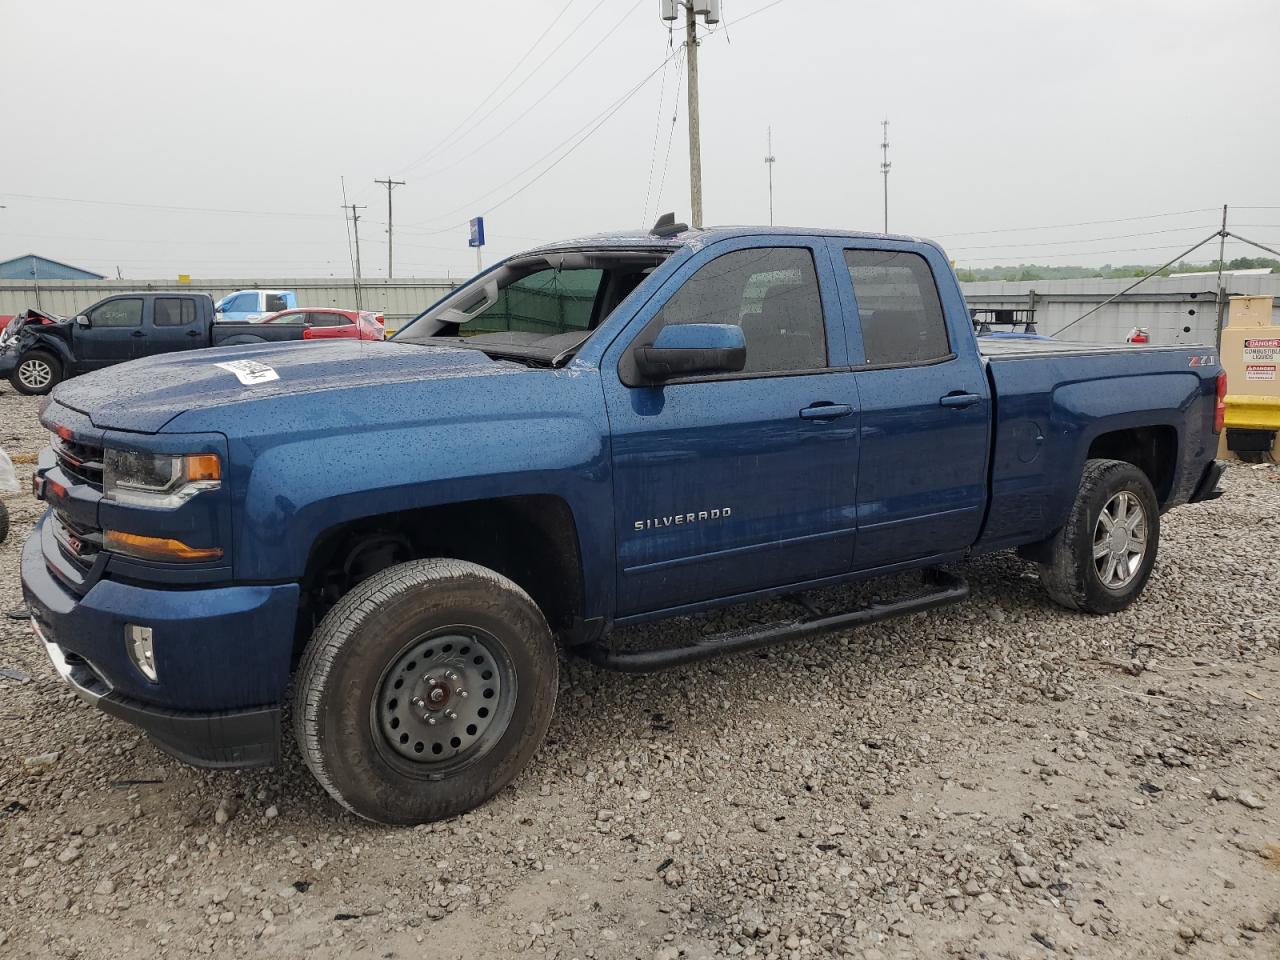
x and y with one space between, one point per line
1220 408
306 333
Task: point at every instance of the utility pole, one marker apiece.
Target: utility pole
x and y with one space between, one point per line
1222 292
355 228
389 183
709 10
884 169
768 162
695 130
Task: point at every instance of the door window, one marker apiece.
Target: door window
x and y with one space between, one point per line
327 320
174 311
242 303
547 302
771 293
276 301
898 307
126 312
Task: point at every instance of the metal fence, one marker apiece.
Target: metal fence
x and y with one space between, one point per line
397 300
1174 310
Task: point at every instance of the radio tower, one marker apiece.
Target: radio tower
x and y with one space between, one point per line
769 161
884 169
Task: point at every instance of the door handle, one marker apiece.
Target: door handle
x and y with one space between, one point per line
959 400
193 333
826 411
137 333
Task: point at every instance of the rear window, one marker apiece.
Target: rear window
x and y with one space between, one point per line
276 302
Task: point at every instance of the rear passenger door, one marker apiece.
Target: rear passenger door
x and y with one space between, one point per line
731 483
922 477
173 326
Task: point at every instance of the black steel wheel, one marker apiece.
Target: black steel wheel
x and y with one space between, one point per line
425 691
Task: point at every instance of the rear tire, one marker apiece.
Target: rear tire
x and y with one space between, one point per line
361 698
36 374
1102 557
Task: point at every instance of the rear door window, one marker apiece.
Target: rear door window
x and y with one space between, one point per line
126 312
276 302
898 307
174 311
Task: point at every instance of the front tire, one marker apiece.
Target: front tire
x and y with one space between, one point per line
36 374
1102 557
425 691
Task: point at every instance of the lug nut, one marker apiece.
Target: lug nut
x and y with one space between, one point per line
462 693
431 721
451 715
431 681
419 703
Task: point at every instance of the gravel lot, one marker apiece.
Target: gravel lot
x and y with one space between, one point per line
998 779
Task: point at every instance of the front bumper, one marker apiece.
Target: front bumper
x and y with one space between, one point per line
223 657
8 359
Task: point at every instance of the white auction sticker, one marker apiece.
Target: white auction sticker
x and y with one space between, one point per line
250 372
1259 371
1262 351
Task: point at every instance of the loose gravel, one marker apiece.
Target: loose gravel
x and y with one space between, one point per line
997 779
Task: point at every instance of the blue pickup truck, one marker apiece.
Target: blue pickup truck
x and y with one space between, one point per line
585 436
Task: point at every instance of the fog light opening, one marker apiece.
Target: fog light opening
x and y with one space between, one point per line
137 640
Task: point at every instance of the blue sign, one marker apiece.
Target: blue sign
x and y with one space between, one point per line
477 232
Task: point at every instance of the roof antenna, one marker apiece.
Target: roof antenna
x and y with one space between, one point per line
667 226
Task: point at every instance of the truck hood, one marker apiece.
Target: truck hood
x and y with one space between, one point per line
144 395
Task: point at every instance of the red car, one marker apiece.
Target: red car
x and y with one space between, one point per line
330 323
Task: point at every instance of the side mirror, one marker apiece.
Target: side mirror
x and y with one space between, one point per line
83 321
685 349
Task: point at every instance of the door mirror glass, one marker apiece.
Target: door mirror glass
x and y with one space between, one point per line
83 321
688 349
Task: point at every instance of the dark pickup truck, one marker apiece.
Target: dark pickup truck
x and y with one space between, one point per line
587 435
38 349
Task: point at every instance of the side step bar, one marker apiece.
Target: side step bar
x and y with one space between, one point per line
942 589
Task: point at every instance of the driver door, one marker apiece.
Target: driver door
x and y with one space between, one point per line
733 483
114 334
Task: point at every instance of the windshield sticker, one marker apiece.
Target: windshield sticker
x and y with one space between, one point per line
249 372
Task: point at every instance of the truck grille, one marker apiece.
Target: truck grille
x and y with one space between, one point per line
79 461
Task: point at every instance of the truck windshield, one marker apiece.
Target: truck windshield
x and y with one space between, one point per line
536 309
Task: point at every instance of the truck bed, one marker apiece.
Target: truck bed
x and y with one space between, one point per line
1051 407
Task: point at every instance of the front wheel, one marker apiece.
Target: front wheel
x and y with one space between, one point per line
425 691
36 374
1101 559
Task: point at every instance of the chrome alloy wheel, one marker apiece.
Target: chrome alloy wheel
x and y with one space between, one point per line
1120 540
34 374
446 699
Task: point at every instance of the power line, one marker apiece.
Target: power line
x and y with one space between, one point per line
537 102
1082 223
164 206
1058 243
590 127
498 86
529 76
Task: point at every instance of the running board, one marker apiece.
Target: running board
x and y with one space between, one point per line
942 589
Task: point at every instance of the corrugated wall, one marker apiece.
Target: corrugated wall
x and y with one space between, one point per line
1175 310
397 300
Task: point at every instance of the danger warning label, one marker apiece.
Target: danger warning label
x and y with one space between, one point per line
1260 371
1262 351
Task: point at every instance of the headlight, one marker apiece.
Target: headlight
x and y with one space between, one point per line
158 479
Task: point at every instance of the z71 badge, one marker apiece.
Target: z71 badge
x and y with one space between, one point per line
1202 360
657 523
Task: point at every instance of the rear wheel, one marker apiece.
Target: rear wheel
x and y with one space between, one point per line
425 691
1102 557
37 373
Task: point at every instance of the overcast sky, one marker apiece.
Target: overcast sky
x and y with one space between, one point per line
1003 114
